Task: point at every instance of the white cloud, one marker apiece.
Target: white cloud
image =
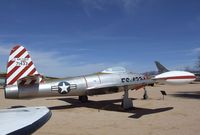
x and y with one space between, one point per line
129 4
66 68
53 63
197 50
4 53
5 49
102 5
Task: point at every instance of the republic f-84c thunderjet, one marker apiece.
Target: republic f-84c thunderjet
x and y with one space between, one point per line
23 81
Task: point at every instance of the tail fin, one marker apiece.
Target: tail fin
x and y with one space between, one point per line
161 68
19 65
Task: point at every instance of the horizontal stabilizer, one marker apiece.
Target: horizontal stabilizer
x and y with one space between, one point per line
30 80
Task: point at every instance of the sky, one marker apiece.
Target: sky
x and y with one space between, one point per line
77 37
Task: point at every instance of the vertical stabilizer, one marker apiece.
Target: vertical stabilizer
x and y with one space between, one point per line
19 65
160 67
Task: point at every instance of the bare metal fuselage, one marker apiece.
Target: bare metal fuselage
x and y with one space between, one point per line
95 84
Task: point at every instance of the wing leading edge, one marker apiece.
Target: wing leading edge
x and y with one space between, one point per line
24 120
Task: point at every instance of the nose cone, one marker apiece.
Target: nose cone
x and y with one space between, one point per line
189 75
193 76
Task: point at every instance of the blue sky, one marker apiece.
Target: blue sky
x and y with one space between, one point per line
75 37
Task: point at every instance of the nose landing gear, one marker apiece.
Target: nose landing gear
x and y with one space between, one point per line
126 101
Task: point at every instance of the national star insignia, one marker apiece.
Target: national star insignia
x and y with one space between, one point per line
64 88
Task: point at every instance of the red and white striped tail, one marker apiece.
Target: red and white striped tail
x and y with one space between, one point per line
19 65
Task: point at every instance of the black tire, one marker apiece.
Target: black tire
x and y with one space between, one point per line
83 99
145 96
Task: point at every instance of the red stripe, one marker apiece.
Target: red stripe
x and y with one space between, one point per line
180 77
21 73
22 82
33 71
33 82
14 49
12 71
17 56
10 63
20 53
28 56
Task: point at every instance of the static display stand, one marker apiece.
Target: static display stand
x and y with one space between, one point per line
163 93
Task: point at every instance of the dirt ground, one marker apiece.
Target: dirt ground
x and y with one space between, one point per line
178 113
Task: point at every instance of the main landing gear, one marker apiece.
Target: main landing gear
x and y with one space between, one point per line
83 99
145 96
126 102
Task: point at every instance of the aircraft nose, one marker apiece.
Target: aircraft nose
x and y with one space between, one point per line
191 74
194 76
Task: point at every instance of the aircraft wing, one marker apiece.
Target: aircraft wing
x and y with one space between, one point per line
103 86
23 120
32 79
50 78
112 88
144 82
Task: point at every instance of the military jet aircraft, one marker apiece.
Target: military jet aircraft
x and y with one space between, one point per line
23 81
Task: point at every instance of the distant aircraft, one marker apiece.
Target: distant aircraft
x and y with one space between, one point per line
173 77
23 81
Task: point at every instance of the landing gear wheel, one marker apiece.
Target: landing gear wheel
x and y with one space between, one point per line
83 99
145 96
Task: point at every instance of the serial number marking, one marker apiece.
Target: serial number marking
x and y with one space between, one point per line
21 61
124 80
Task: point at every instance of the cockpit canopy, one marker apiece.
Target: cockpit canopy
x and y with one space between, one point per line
115 70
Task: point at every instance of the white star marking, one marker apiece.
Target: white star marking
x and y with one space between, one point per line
64 88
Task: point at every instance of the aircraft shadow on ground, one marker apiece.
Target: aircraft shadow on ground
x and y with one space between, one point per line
189 94
108 105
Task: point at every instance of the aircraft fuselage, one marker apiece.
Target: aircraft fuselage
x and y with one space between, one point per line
95 84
